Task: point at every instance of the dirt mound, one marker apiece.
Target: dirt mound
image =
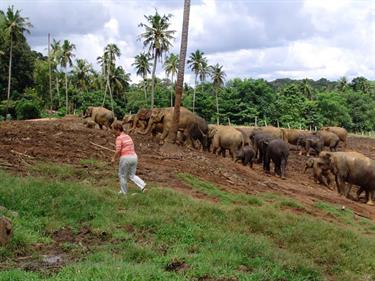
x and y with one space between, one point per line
69 141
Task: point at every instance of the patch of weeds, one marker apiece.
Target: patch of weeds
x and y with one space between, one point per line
291 204
93 163
213 191
54 170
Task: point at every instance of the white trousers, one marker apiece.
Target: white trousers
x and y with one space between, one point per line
127 170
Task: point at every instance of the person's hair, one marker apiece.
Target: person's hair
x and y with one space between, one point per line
118 127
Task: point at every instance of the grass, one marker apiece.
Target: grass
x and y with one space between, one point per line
253 240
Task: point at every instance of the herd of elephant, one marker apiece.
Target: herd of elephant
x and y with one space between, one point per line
256 144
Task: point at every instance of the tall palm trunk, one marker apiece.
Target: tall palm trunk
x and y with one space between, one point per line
172 91
144 89
153 81
217 108
58 90
49 70
194 93
9 74
66 92
180 74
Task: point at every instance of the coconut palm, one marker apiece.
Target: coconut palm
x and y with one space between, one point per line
196 63
66 56
157 38
342 84
171 68
81 72
181 71
119 80
142 67
14 28
111 53
218 76
55 59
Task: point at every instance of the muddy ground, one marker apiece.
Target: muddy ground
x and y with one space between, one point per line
23 143
26 143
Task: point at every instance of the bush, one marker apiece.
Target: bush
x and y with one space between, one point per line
27 109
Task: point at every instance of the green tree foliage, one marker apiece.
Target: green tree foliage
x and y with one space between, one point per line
157 38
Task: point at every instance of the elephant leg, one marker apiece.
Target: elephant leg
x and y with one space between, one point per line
307 148
369 196
163 136
339 183
101 126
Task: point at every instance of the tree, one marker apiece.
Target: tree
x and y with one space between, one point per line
342 84
142 67
119 80
111 52
55 60
217 76
14 26
198 64
181 71
65 61
157 38
81 72
171 68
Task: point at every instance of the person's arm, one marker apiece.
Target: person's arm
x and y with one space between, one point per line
118 150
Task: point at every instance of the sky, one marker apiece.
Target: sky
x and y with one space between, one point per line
267 39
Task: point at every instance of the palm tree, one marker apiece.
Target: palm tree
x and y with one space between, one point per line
171 68
181 71
217 76
14 27
306 89
81 71
142 67
342 84
157 38
55 58
65 61
196 63
111 53
120 80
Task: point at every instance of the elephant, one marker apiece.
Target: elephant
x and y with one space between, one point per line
310 141
342 133
277 133
321 171
89 123
276 150
292 136
128 121
353 168
257 139
101 115
193 126
141 119
329 139
245 135
227 137
246 155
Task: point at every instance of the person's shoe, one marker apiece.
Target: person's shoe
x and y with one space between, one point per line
121 192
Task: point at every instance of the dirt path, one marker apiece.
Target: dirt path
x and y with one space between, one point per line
68 141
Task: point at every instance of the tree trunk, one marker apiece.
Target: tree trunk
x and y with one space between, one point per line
217 108
153 80
180 75
172 92
49 70
66 92
58 90
144 89
9 75
194 93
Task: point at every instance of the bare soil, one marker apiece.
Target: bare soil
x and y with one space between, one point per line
67 140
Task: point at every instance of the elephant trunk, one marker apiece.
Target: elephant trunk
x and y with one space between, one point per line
148 129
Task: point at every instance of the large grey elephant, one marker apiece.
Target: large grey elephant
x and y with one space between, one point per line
353 168
342 133
227 137
101 115
193 126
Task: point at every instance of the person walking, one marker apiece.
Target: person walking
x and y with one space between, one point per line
128 160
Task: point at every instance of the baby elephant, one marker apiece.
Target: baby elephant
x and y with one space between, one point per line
278 151
246 155
322 173
89 123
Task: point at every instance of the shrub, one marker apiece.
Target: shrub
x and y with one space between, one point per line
27 109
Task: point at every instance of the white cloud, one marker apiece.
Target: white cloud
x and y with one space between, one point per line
259 39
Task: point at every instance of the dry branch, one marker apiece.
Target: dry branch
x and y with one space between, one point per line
22 154
103 147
